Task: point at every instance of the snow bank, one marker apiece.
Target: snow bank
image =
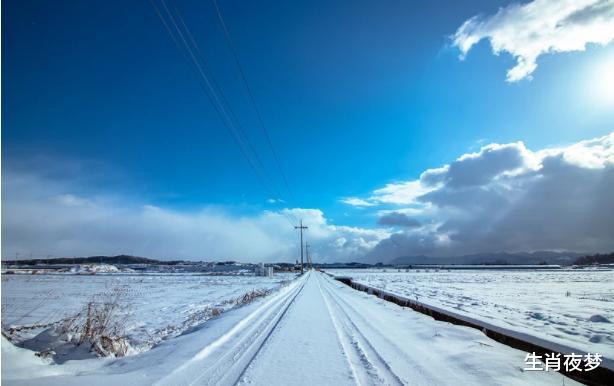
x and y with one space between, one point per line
568 307
19 363
94 268
153 307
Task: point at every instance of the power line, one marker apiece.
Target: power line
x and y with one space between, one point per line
251 95
219 101
252 100
215 94
292 219
226 103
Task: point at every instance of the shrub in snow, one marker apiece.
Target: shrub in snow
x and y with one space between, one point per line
252 295
47 354
99 324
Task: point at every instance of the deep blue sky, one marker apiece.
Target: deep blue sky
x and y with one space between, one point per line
355 94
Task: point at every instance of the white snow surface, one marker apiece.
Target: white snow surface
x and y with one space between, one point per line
574 308
155 306
315 331
95 268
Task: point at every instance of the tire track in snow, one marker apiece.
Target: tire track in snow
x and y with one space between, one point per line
269 334
420 374
368 367
238 347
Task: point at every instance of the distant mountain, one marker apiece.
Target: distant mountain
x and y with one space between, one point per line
539 257
121 259
596 259
345 265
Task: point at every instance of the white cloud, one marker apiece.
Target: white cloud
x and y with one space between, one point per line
397 193
593 154
503 197
539 27
72 200
43 216
354 201
356 242
490 162
509 198
470 169
275 201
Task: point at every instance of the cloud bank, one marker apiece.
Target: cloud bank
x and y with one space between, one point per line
43 216
539 27
399 219
506 198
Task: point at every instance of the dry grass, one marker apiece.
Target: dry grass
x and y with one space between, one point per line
252 295
284 283
101 325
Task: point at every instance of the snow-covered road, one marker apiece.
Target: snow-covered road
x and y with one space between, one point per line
314 332
334 335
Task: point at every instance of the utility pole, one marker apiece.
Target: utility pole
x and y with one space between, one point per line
307 254
301 227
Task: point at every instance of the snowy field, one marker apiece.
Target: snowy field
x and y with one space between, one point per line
314 331
571 307
154 306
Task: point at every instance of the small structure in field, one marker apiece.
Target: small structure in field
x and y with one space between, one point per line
261 270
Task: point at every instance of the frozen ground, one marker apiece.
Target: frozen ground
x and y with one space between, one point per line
571 307
314 331
154 306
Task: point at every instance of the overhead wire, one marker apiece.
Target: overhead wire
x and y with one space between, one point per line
250 95
225 102
209 90
216 96
219 105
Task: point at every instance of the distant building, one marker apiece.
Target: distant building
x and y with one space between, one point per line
261 270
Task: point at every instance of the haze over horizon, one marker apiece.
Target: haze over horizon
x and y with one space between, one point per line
390 129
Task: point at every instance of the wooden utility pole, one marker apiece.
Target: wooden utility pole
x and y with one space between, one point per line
301 227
